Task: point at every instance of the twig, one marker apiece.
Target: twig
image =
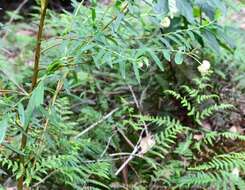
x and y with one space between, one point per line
4 91
44 179
133 94
107 146
125 154
131 156
143 94
125 137
102 160
96 123
138 106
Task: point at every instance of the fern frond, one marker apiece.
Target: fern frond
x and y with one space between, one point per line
211 137
219 180
225 162
202 98
209 111
176 95
191 92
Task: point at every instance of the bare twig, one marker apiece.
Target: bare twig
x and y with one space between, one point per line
143 94
127 154
96 123
131 156
134 96
107 146
4 91
138 106
44 179
125 137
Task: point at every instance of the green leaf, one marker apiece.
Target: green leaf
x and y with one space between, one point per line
217 4
98 57
117 22
161 7
206 8
20 172
54 66
166 54
8 146
185 8
156 59
37 96
21 113
3 129
93 14
136 71
211 41
35 101
122 68
179 58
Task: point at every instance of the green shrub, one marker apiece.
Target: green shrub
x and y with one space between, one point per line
95 93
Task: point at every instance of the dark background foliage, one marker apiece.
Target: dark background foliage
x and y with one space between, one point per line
11 5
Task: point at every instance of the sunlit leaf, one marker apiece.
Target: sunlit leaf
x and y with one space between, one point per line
185 8
179 58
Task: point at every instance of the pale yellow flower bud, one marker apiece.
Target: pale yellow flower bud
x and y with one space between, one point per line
204 67
165 23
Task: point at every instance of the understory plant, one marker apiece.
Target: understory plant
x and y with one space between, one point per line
117 96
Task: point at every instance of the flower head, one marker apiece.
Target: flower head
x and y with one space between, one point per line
204 67
165 23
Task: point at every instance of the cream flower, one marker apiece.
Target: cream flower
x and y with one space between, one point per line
165 23
204 67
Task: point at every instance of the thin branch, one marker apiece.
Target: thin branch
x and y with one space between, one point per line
107 146
134 96
125 154
5 91
44 179
138 106
96 123
125 137
131 156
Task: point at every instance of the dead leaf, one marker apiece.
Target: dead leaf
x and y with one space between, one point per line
206 125
198 137
147 143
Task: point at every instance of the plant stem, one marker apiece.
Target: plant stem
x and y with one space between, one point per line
38 46
34 82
